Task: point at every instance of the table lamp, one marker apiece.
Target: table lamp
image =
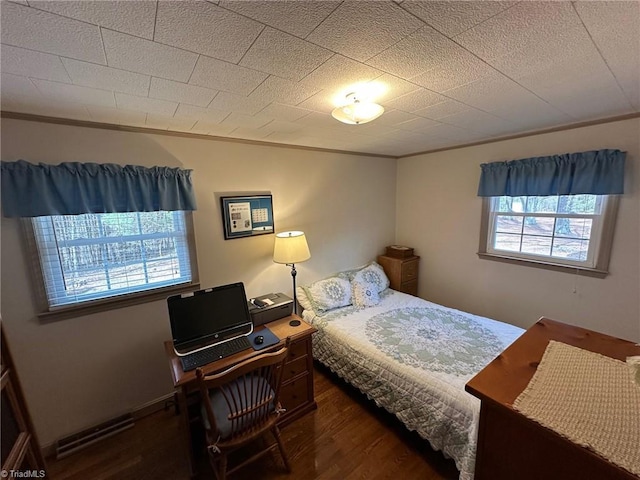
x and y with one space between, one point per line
291 248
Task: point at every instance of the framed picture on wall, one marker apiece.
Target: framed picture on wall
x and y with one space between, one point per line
247 215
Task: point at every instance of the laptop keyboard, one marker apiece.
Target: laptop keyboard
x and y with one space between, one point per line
216 352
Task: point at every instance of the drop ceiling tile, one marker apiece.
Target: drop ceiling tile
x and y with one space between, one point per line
417 53
392 117
392 87
249 133
225 76
134 17
340 74
246 121
116 116
442 110
284 55
378 130
37 30
276 89
457 71
143 56
205 28
282 127
237 103
451 132
525 25
477 121
417 100
296 18
323 102
106 78
489 93
164 122
211 115
144 104
452 18
619 46
324 121
17 85
75 93
46 107
348 30
559 48
417 125
206 127
180 92
29 63
285 113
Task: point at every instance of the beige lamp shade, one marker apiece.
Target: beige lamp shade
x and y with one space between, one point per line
291 247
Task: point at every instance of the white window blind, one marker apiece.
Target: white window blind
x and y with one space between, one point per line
95 256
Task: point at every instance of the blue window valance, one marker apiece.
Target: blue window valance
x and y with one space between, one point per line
30 190
598 172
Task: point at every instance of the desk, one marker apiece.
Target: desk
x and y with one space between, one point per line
512 446
296 394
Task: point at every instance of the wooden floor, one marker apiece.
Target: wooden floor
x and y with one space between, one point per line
347 437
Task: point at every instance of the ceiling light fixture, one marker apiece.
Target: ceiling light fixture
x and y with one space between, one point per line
357 112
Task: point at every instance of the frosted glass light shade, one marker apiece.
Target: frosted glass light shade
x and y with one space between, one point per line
357 112
291 247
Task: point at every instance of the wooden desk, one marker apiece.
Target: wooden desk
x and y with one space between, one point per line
512 446
296 394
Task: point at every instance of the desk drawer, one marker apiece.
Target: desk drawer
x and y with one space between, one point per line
296 393
297 350
294 368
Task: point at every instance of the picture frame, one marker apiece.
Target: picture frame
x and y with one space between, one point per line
247 215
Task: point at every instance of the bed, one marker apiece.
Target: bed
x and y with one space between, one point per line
410 356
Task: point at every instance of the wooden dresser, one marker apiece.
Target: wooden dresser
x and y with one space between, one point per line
512 446
402 272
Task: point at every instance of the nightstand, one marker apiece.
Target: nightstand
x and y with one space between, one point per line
402 272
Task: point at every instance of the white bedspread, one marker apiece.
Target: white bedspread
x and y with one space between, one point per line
413 358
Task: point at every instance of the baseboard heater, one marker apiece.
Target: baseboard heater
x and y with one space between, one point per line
71 444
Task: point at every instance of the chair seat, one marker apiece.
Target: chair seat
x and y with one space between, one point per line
243 388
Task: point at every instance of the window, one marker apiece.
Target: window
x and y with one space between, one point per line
92 257
572 231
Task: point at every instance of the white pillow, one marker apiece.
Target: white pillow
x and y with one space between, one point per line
327 294
365 293
374 273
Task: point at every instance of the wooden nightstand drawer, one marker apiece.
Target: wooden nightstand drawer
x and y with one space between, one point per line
409 271
410 287
402 273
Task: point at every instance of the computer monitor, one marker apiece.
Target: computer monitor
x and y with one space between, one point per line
208 317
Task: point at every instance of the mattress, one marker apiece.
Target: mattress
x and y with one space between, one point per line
413 358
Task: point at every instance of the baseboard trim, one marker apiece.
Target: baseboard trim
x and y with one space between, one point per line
141 411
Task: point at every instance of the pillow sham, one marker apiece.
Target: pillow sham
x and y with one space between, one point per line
365 292
374 273
327 294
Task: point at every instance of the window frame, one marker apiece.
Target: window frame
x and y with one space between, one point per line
603 244
45 312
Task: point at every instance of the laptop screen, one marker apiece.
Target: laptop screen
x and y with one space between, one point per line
208 316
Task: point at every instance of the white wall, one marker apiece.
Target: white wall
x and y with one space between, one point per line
438 213
81 371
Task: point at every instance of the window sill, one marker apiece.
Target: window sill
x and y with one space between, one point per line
587 272
104 305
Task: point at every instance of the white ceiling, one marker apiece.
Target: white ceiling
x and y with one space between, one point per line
453 72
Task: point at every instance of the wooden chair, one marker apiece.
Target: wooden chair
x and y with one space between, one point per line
239 405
